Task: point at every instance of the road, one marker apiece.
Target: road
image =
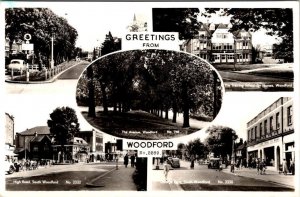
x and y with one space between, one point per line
242 77
65 83
202 178
82 176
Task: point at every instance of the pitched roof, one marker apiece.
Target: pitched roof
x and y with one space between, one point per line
39 138
78 140
39 130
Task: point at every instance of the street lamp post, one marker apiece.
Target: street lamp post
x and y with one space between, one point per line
52 61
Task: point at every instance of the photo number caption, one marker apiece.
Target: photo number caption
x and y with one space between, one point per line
149 153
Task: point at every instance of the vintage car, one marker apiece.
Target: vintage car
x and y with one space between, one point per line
174 162
17 65
214 163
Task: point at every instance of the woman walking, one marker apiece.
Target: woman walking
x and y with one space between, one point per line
166 169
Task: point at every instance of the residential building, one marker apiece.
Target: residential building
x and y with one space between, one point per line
216 44
76 150
23 141
271 135
9 129
94 138
9 137
37 143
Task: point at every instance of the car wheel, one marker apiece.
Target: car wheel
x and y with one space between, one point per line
11 170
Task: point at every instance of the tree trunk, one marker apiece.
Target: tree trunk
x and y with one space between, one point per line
91 89
174 113
104 98
167 113
186 108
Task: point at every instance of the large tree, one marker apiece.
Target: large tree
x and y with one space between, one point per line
196 149
42 24
155 81
220 140
277 22
181 20
110 44
63 124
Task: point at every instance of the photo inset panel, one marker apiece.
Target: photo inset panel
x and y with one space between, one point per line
149 94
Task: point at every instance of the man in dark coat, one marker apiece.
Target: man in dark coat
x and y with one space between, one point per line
126 160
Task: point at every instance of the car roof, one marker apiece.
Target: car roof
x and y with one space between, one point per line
17 60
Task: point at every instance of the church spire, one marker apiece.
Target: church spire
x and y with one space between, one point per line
134 18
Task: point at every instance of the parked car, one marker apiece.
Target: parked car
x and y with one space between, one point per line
214 163
174 162
9 165
17 65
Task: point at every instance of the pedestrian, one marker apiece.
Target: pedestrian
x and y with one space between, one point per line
285 168
192 162
257 165
264 166
232 166
132 160
126 160
292 168
166 169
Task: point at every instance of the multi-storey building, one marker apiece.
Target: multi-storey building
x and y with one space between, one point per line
9 129
271 134
37 143
216 44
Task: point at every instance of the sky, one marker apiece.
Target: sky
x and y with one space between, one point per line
93 20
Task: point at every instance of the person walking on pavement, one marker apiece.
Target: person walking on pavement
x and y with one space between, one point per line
285 168
132 160
292 168
257 165
166 169
126 160
192 162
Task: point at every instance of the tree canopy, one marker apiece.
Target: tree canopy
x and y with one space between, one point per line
181 20
197 149
63 124
42 24
110 44
220 140
154 81
277 21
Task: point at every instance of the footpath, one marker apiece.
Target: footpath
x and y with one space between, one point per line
115 179
50 80
270 176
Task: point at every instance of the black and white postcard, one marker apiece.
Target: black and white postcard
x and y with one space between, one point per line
140 98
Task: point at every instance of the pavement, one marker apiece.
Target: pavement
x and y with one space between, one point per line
159 183
270 176
8 78
115 180
112 179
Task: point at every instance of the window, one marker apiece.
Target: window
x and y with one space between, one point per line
289 115
266 127
230 57
35 148
245 44
271 123
249 136
223 57
260 129
277 121
255 131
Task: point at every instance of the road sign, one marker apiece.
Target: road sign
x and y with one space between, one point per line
28 47
27 37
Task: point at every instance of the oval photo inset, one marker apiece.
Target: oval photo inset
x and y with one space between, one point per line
149 94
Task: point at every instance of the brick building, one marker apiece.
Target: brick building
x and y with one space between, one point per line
216 44
271 134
